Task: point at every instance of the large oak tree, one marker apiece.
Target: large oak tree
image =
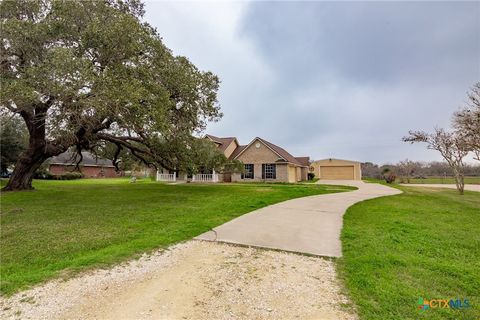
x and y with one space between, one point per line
13 141
85 73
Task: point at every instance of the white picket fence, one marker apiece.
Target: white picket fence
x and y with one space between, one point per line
204 177
170 177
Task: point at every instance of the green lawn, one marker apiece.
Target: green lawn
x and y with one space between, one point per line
424 243
434 180
66 226
447 180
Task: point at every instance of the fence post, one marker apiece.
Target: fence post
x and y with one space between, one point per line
174 176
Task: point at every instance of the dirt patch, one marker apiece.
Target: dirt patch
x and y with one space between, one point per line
193 280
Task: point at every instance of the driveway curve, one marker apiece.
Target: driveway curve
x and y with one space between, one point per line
310 225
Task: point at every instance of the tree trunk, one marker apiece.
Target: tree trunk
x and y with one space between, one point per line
36 152
459 181
25 168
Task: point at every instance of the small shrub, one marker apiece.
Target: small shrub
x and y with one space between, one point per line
310 176
389 177
71 176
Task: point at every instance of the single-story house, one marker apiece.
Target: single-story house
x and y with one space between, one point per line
263 161
90 166
336 169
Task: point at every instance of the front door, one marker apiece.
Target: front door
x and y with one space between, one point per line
227 177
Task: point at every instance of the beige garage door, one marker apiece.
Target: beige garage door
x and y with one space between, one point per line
337 173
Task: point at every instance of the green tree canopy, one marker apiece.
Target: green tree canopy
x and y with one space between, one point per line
83 73
13 140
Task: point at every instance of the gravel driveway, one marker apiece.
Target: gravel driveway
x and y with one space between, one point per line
193 280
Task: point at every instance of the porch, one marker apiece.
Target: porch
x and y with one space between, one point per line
205 177
199 177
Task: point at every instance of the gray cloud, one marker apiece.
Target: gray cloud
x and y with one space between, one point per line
341 79
367 41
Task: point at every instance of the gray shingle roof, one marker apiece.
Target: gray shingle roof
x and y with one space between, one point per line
282 153
305 161
223 142
70 158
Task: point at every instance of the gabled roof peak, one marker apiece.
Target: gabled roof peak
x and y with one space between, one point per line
223 142
282 153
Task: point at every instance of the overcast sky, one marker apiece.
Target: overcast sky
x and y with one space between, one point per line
330 79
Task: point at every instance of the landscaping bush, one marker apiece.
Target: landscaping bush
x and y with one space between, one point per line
70 176
388 175
45 175
310 176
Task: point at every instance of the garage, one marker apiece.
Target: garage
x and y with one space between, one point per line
336 169
337 173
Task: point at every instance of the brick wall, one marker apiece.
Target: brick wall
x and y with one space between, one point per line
257 157
304 174
89 172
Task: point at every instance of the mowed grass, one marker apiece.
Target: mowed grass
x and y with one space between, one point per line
66 226
447 180
429 180
424 243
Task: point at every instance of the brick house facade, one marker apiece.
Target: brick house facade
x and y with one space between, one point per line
270 163
263 161
90 166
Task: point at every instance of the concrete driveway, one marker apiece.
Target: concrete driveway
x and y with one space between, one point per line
309 225
469 187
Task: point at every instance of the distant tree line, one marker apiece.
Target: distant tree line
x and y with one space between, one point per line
416 169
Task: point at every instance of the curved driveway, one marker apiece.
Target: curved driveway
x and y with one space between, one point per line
309 225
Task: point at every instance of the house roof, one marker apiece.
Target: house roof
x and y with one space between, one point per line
282 153
223 142
88 160
305 161
336 159
237 151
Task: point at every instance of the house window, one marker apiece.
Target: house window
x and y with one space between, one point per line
269 171
248 174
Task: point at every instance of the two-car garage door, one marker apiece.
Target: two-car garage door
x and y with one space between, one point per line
337 172
336 169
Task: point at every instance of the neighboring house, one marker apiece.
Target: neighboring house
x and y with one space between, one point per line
336 169
263 160
90 166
